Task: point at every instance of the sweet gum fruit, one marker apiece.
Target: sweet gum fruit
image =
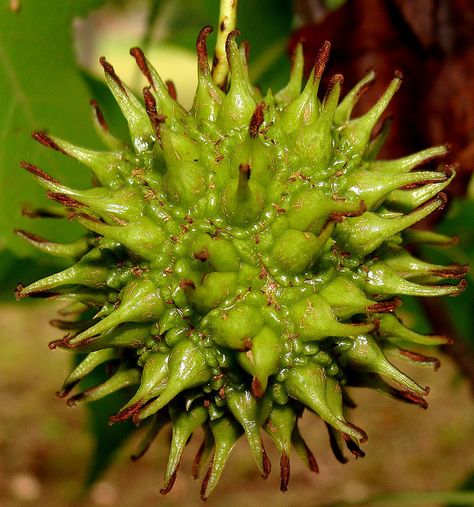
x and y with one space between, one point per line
243 261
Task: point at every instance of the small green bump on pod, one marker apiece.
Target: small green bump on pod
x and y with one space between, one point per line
236 327
213 289
219 253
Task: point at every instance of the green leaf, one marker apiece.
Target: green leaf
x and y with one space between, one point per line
40 88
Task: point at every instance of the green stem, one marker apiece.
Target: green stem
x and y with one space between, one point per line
413 498
227 23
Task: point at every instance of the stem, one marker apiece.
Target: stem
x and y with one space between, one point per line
227 23
413 498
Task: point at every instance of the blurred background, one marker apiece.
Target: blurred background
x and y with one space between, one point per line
58 456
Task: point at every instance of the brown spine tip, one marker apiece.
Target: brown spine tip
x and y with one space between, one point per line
155 119
123 415
336 449
99 115
420 358
266 465
385 306
36 171
410 398
64 199
352 446
110 71
170 484
186 284
461 287
284 471
30 236
202 255
231 35
142 64
321 60
256 120
45 140
205 481
201 49
257 389
245 171
170 86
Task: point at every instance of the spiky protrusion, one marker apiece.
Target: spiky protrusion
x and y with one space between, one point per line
244 260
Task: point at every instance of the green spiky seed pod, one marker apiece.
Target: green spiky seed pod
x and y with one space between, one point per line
244 261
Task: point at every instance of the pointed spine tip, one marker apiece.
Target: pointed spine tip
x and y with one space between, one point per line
230 37
284 471
99 115
170 484
321 60
142 64
156 119
201 49
171 87
43 138
64 199
36 171
110 71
